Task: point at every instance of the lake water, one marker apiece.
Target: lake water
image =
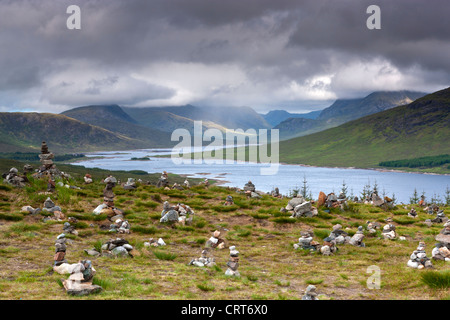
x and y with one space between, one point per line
288 177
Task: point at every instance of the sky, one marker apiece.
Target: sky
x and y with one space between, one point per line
285 54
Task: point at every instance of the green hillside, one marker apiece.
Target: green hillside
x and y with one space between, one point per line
421 128
24 132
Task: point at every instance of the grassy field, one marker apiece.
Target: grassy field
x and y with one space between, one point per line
269 265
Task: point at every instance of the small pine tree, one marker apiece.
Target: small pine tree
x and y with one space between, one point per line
344 189
447 196
366 190
415 197
305 188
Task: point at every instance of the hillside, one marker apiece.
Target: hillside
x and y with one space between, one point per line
418 129
344 110
20 131
170 118
113 118
275 117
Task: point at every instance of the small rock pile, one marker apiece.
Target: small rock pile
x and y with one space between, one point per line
180 213
372 227
30 209
80 280
329 247
310 293
48 169
49 206
276 193
331 200
339 235
60 250
204 260
229 201
412 213
419 259
130 184
154 243
117 248
186 184
176 186
358 237
442 249
233 263
163 182
250 190
120 226
440 217
306 242
215 241
13 178
69 229
389 231
87 178
299 207
107 207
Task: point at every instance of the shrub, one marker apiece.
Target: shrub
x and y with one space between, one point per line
164 255
437 279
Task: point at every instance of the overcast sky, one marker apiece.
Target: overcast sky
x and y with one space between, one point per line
266 54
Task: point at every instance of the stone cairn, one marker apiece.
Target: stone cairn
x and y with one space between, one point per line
215 241
108 207
329 247
440 217
186 184
163 181
13 178
229 201
306 242
389 231
48 169
49 206
331 200
339 235
180 213
154 243
442 249
117 248
80 280
249 187
130 184
299 207
412 213
372 227
310 293
276 193
358 237
60 250
419 259
87 178
120 226
233 263
204 260
69 229
30 209
176 186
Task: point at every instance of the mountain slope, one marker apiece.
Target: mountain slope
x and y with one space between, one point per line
344 110
275 117
113 118
25 132
421 128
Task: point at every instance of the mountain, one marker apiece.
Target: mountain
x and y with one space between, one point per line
114 119
274 117
169 118
421 128
344 110
24 132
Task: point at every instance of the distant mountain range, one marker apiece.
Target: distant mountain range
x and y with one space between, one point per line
344 110
274 117
420 128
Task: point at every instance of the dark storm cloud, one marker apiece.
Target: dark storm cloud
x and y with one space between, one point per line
260 53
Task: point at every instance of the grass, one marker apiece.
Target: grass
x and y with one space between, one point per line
436 279
164 255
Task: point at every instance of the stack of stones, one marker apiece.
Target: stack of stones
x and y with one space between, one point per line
412 213
229 201
376 200
68 228
163 182
186 184
419 259
389 231
87 178
249 187
117 248
108 207
372 227
339 235
440 217
276 193
306 242
180 213
130 184
204 260
60 250
215 241
153 243
442 249
30 209
358 237
176 186
329 247
49 206
48 168
80 280
12 177
233 263
299 207
310 293
120 226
